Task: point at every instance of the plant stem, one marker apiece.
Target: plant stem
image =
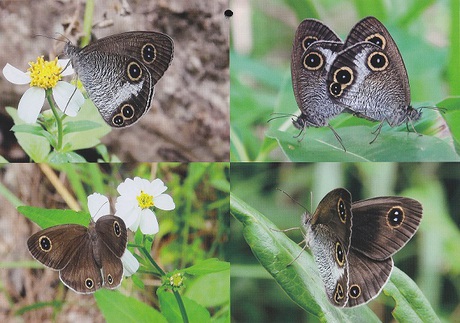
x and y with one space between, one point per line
181 306
58 119
149 257
176 293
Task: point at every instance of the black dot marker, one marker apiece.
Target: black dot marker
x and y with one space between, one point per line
228 13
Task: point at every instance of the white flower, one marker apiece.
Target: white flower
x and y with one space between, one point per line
98 206
136 198
43 75
130 263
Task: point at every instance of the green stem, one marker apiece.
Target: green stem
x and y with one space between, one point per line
181 306
58 119
149 257
87 23
176 293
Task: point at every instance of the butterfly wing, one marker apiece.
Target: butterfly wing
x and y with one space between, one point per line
328 236
54 247
119 73
111 231
82 274
112 240
383 225
309 67
331 258
369 75
112 267
367 277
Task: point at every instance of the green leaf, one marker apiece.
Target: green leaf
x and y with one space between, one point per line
207 266
294 270
392 144
117 307
170 308
322 145
452 117
210 290
65 157
46 218
36 147
80 126
411 304
91 137
33 129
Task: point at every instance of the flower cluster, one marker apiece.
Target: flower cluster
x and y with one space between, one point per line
134 205
45 76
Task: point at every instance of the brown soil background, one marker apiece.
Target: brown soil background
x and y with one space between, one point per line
189 118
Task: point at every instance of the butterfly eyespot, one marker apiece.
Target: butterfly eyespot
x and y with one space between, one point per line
313 61
127 111
342 211
116 228
89 283
377 39
307 41
134 71
377 61
339 254
149 53
45 244
118 120
355 291
335 89
110 279
343 75
338 294
395 217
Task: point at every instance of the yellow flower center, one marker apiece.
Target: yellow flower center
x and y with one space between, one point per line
44 74
145 200
176 280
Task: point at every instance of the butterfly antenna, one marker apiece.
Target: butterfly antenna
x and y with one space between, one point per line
440 109
293 199
49 37
70 98
100 208
279 115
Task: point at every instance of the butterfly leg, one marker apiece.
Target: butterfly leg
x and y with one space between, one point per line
337 137
377 131
412 126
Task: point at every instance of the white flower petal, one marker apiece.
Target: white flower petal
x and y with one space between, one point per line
126 187
164 202
135 225
68 98
158 187
149 222
142 184
66 67
30 105
98 205
14 75
130 217
130 263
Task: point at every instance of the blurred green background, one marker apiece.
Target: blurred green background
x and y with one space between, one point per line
428 36
431 258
